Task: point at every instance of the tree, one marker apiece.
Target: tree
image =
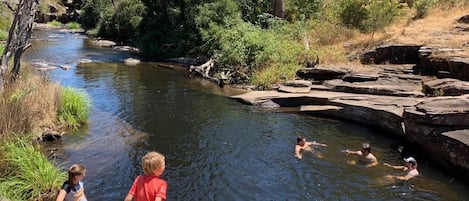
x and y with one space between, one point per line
278 8
18 38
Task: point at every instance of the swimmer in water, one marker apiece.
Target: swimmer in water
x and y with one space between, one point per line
303 145
364 156
410 169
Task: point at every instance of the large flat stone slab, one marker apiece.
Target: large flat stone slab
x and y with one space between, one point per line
291 89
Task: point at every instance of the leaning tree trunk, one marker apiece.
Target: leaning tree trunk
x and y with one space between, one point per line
19 38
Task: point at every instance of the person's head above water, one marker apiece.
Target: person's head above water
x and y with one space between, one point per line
366 147
411 161
300 140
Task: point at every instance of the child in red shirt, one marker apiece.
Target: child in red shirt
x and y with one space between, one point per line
149 187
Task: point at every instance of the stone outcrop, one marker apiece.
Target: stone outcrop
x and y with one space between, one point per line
296 86
447 67
381 87
321 73
392 54
359 77
445 87
439 123
464 19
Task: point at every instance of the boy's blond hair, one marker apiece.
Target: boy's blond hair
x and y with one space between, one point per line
152 161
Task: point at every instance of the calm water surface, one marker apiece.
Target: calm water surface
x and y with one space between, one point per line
215 148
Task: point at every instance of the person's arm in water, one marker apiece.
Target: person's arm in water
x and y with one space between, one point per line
404 178
297 151
129 197
396 167
61 195
353 152
317 144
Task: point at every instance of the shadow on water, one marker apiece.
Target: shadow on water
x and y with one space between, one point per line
216 148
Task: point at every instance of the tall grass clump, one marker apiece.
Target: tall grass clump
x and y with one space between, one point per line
28 104
31 176
73 107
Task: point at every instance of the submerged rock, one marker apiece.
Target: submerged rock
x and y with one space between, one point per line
131 61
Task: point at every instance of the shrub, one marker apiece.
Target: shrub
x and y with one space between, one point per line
369 16
353 13
31 176
73 107
422 7
73 25
381 14
55 23
302 9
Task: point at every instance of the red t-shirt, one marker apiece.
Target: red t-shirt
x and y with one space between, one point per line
147 188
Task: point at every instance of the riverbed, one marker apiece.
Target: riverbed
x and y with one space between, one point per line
215 147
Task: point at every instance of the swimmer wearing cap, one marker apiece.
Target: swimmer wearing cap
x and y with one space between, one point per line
410 167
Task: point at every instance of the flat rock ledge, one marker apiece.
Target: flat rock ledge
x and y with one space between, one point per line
439 125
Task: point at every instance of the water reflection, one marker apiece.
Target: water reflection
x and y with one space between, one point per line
216 148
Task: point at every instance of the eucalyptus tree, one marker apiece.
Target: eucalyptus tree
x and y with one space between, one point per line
18 36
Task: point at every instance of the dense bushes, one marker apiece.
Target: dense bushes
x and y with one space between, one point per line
116 20
244 35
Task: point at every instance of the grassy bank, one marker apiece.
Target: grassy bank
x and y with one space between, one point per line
32 176
28 106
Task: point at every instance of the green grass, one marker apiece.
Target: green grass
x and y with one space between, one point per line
55 23
2 47
74 107
32 176
73 25
3 34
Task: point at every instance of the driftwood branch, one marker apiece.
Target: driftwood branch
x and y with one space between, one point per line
204 71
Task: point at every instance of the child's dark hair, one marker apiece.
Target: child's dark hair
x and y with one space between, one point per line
299 139
75 170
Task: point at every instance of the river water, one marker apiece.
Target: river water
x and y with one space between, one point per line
215 147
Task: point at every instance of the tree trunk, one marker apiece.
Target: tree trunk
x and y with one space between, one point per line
8 49
19 38
278 8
